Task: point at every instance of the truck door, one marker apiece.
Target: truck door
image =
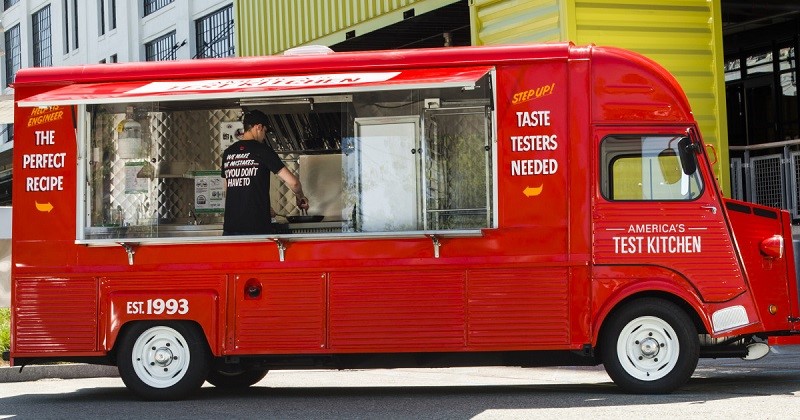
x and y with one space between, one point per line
656 207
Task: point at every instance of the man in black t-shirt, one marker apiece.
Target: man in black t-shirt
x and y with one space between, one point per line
245 166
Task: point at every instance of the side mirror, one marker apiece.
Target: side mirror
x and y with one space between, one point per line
686 150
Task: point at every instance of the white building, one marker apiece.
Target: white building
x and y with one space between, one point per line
45 33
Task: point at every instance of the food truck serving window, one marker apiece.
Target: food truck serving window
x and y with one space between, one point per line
396 156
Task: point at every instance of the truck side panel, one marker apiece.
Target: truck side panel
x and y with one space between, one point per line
55 315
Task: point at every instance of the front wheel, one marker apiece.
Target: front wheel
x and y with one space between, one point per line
650 346
166 361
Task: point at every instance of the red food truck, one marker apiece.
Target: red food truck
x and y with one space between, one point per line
524 205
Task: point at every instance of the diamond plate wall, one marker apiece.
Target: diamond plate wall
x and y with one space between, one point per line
156 187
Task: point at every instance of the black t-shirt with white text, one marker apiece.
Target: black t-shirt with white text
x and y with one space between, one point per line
245 166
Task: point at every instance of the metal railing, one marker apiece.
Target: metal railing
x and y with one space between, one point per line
770 179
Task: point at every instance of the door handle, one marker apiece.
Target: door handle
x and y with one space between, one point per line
713 209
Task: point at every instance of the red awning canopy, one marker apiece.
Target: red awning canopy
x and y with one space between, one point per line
257 87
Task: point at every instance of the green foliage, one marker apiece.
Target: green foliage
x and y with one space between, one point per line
5 329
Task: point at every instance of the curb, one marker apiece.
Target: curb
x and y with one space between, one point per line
65 371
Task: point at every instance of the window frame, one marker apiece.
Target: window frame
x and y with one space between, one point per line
151 54
87 232
41 42
7 4
151 6
607 160
13 56
226 28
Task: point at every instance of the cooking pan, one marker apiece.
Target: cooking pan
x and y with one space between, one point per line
303 219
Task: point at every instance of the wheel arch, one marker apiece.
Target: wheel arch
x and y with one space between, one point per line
203 310
624 299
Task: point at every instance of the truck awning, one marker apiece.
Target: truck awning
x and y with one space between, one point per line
269 86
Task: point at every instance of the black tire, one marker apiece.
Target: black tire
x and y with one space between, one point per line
649 346
235 379
163 360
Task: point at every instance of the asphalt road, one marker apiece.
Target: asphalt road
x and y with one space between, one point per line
726 388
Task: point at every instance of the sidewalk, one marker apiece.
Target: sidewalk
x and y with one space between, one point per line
61 371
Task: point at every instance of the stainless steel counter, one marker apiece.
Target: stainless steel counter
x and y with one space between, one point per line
182 231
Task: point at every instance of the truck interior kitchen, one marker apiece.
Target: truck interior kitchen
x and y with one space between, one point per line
373 160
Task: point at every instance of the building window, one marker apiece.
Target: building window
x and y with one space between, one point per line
13 54
70 31
101 17
733 70
150 6
8 3
161 49
111 18
215 34
75 24
759 63
113 58
65 4
112 14
42 47
8 133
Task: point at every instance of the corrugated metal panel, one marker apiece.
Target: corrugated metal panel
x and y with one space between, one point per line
518 308
55 315
684 36
265 28
288 317
397 311
515 22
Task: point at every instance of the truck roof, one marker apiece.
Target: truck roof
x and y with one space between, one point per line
282 64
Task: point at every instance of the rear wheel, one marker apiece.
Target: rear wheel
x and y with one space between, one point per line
163 361
650 346
235 378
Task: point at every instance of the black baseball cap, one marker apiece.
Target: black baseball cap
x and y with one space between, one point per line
254 117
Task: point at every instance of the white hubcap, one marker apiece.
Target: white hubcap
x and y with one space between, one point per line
648 348
160 357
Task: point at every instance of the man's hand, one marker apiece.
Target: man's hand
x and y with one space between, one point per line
302 202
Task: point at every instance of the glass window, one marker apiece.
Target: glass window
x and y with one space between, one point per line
112 14
101 17
8 3
787 59
42 47
161 49
151 6
75 37
788 105
215 34
8 133
13 56
67 31
646 168
733 70
369 162
759 63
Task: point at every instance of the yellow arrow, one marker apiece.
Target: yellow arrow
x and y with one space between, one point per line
533 191
44 207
